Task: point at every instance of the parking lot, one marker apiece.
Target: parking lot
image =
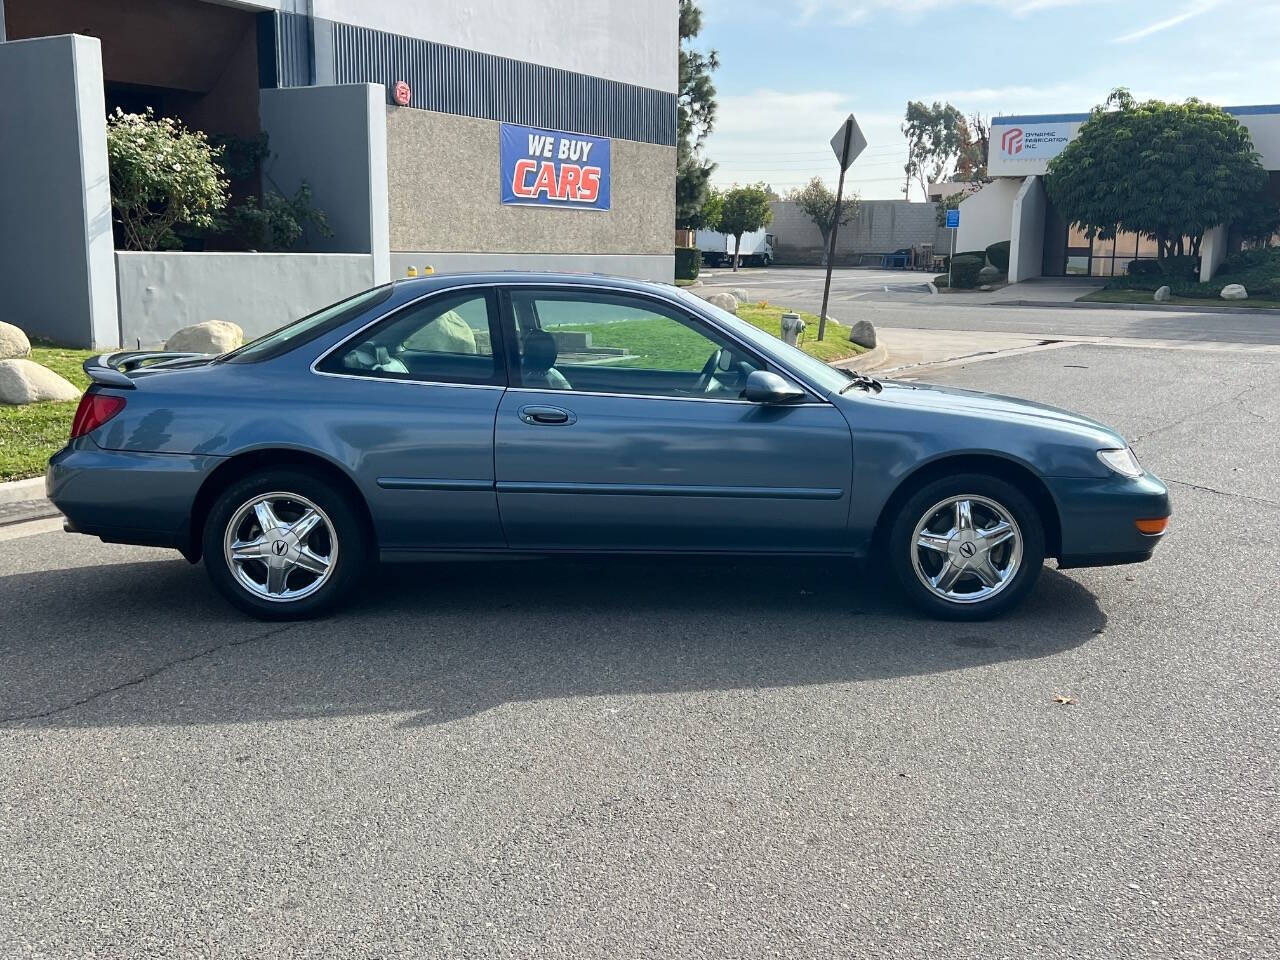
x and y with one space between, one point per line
674 759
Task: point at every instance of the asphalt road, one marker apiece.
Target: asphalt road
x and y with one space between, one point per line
858 294
672 759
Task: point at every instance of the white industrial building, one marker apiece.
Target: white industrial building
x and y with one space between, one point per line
1014 205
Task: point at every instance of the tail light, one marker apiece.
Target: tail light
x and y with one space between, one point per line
95 409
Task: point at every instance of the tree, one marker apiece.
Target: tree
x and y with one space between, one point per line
708 215
1163 170
934 137
975 145
695 118
818 203
745 209
162 176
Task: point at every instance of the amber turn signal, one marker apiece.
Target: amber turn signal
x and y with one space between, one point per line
1153 527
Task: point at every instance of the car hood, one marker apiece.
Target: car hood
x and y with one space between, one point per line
974 403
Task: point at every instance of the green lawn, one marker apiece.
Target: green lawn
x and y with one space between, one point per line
31 434
1144 297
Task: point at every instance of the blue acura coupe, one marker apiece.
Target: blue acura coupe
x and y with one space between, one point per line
514 413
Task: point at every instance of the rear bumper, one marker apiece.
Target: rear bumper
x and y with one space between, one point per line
127 497
1098 517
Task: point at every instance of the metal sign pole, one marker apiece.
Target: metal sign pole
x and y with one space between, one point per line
835 227
952 258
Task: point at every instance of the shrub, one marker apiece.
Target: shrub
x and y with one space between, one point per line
688 261
1145 268
942 280
162 175
965 269
278 222
980 254
1184 267
998 255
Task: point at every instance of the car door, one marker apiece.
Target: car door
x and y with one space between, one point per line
414 397
625 429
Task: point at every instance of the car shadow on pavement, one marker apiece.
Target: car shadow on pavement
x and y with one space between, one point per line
151 643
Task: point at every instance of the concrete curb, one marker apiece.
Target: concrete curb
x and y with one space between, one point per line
15 491
1164 307
873 359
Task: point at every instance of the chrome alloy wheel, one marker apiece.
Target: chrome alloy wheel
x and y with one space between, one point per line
966 549
280 547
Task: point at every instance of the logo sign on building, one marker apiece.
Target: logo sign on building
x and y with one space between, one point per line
1034 141
550 168
402 93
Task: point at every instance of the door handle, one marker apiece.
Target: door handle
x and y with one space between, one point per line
547 416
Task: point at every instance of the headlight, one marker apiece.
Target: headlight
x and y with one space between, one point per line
1121 461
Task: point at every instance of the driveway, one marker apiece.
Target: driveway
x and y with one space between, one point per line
672 759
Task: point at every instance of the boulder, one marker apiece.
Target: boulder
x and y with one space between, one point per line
13 342
990 274
1234 291
212 336
725 301
1162 295
25 381
863 333
740 293
448 333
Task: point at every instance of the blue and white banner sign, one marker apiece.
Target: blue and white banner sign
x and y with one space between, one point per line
548 168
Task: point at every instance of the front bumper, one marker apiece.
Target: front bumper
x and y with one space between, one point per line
1097 517
127 497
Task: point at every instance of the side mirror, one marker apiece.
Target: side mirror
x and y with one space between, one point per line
766 387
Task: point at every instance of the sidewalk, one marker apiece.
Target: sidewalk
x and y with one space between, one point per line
905 348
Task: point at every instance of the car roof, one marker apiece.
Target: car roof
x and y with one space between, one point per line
442 281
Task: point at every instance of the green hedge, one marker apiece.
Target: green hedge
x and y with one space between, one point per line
1257 270
688 261
942 280
998 255
965 269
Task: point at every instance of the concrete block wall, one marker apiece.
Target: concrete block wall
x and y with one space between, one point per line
881 226
56 250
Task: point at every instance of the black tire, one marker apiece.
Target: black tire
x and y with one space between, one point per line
352 544
901 546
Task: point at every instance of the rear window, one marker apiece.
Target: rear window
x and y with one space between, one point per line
293 335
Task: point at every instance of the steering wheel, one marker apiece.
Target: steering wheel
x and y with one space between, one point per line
705 378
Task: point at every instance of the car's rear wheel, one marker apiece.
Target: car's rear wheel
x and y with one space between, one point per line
284 545
967 547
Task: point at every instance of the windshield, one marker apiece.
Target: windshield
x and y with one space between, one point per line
298 332
818 373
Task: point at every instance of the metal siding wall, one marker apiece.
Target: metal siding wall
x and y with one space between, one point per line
450 79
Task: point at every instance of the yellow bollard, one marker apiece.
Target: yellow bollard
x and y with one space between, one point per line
428 270
413 271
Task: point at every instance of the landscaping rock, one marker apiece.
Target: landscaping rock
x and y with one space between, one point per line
1162 295
25 381
1234 291
13 342
725 301
448 333
212 336
863 333
990 274
740 293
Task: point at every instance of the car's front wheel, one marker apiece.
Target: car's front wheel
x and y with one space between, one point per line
283 545
967 547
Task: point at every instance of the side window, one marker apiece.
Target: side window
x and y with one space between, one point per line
597 342
447 339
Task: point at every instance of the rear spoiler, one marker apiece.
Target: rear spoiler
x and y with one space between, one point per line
110 369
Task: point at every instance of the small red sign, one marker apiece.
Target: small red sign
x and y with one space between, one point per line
403 93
